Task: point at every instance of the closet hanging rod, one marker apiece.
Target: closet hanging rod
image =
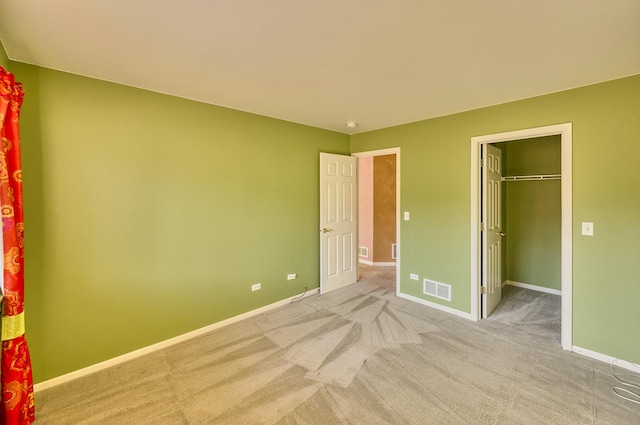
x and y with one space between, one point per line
538 177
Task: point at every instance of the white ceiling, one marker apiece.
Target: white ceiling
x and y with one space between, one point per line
322 63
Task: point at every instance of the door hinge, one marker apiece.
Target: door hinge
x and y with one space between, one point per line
483 163
482 227
483 290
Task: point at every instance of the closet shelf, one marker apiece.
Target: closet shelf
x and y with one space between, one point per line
538 177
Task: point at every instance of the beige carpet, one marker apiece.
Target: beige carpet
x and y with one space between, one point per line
358 355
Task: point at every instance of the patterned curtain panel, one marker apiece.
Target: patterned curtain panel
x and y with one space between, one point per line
17 382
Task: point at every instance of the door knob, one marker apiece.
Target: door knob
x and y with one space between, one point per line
502 234
325 230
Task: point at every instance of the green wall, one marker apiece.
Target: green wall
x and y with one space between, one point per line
533 213
148 216
606 146
4 60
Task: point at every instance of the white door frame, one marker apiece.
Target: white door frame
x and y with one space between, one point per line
396 152
565 132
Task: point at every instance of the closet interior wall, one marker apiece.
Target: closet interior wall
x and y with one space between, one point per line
531 212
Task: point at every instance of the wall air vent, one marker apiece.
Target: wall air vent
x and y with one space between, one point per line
437 289
394 251
363 251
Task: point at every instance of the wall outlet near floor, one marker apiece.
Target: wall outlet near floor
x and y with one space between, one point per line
256 287
414 276
291 276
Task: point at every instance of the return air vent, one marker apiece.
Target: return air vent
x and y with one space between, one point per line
394 251
437 289
363 251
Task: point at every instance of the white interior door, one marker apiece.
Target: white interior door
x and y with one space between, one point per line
492 233
338 221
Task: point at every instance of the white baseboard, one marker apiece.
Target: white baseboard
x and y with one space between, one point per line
436 306
533 287
378 264
163 344
607 359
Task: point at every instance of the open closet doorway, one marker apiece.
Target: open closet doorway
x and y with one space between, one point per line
521 237
379 214
526 212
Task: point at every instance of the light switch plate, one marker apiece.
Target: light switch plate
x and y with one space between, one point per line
406 216
587 228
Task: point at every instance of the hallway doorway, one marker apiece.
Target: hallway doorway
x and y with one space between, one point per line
379 219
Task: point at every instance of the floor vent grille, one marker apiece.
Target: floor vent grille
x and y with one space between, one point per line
437 289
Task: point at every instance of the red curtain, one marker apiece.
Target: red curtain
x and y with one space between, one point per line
17 382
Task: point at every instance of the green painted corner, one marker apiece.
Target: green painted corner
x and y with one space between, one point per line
436 190
149 216
4 59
